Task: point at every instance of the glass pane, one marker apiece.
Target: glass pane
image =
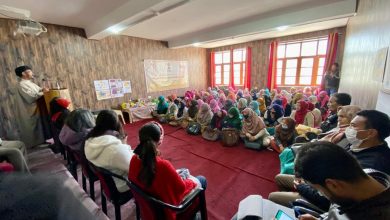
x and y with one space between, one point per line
293 50
237 56
289 81
281 50
279 64
322 46
218 75
226 78
226 57
293 63
226 68
321 61
218 69
306 71
305 80
291 72
278 80
309 48
237 67
320 71
244 55
218 58
278 72
307 62
319 78
217 80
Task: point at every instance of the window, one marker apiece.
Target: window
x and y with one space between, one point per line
301 63
223 66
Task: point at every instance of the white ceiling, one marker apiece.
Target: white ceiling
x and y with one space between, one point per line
210 22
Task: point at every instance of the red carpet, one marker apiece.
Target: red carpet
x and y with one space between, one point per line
232 173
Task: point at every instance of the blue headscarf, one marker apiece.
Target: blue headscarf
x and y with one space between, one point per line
267 93
279 112
162 105
255 107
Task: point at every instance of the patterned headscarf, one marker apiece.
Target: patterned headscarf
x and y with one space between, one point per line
254 105
205 114
262 105
242 104
253 124
214 106
301 113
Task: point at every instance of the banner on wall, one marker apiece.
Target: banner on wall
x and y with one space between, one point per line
163 75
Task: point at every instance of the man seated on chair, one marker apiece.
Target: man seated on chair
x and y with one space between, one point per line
339 176
335 101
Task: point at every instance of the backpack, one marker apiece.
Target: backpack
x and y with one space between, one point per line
194 128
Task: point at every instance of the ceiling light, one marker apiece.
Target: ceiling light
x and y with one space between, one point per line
282 28
116 29
196 44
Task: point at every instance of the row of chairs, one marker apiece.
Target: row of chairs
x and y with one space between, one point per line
147 206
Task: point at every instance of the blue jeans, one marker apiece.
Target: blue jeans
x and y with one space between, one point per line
331 91
203 181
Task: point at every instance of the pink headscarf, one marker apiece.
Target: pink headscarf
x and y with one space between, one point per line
221 100
200 103
214 106
189 94
324 100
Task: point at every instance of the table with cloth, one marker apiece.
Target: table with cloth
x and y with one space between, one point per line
140 112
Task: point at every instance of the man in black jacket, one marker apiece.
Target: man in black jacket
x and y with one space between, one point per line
335 101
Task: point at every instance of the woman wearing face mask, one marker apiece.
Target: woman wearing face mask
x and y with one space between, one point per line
204 116
254 105
232 120
242 104
285 134
254 132
172 110
157 176
272 115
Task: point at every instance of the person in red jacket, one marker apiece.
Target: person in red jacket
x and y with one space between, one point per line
157 176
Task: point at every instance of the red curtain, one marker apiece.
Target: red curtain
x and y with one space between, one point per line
248 68
331 52
273 51
231 74
212 69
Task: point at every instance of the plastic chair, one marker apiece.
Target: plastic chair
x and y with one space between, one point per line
109 190
152 208
77 157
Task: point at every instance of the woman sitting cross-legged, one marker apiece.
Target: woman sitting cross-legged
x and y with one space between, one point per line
254 132
172 111
77 126
232 120
162 107
285 134
157 176
181 112
254 105
302 114
272 116
242 104
212 132
106 147
204 116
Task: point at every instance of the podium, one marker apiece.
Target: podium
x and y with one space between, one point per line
63 93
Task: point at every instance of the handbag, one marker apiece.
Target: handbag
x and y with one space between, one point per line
194 128
230 137
184 123
211 134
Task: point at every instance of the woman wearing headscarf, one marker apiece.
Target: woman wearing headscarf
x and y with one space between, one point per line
173 109
228 105
216 121
322 104
181 112
162 107
193 110
204 116
248 98
307 92
315 111
272 116
190 95
262 106
200 103
285 134
240 94
297 97
242 104
302 114
286 106
232 120
232 96
221 100
254 105
254 132
214 106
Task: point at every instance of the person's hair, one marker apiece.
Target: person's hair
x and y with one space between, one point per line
343 98
318 161
55 107
149 136
106 120
20 69
80 119
377 120
336 65
349 110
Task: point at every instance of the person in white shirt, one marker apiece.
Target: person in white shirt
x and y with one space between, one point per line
106 147
27 113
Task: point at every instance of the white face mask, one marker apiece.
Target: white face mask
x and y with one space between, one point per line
351 133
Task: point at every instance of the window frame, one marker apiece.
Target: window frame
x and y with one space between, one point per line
232 63
316 58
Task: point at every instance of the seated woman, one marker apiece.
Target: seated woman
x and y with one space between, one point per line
337 135
172 111
322 104
106 147
59 111
272 115
316 114
228 105
302 115
232 120
285 134
77 126
212 132
181 112
162 107
221 100
254 132
214 106
254 105
192 110
204 116
242 104
156 175
262 106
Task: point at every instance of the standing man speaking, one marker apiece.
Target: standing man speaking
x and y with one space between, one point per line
27 111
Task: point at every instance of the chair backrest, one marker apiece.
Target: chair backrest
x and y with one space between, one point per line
79 156
106 179
379 176
152 208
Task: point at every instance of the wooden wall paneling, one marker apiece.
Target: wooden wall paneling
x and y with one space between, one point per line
64 54
367 32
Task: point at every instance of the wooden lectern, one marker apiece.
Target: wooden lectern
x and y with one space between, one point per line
63 93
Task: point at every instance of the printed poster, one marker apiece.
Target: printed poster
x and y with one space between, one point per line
102 89
163 75
126 86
